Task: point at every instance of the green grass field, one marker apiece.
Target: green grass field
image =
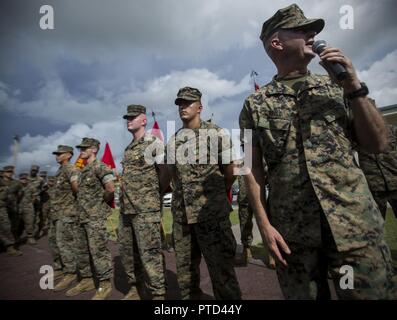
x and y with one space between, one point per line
390 229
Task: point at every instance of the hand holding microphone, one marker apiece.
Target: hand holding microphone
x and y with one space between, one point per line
339 67
337 70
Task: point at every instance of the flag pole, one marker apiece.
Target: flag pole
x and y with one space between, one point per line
15 150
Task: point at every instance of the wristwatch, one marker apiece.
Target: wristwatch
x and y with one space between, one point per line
362 92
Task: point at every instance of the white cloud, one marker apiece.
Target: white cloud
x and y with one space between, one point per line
53 102
381 78
38 149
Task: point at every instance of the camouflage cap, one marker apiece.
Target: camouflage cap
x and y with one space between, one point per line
134 110
34 168
189 94
63 149
23 176
8 169
291 17
88 142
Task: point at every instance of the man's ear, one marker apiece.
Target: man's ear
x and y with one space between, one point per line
276 44
200 108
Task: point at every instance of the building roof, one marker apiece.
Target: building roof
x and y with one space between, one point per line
390 113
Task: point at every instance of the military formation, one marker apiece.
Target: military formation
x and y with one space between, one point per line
318 209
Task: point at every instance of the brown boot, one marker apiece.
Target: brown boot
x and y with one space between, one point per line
58 274
32 241
85 285
132 294
11 251
65 282
104 290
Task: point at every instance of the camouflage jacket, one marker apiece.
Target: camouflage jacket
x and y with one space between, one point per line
36 185
63 201
54 214
90 194
199 186
28 197
306 140
140 179
3 193
381 169
10 194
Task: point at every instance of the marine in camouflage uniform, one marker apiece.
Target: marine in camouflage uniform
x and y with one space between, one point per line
140 213
44 205
320 202
245 215
200 205
6 235
36 184
26 207
91 235
13 198
64 215
52 229
381 173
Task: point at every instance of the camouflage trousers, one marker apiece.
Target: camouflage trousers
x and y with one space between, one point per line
245 215
65 238
382 198
44 213
6 235
37 218
306 276
216 242
140 250
29 219
52 243
91 242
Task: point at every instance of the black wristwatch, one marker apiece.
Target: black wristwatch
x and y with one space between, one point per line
362 92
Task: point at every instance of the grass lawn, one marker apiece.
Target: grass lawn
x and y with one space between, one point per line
258 250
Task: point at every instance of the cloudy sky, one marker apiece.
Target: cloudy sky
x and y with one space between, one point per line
59 85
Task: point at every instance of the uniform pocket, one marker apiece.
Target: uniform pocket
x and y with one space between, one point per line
273 135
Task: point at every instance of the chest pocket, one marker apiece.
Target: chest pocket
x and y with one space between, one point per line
273 135
336 120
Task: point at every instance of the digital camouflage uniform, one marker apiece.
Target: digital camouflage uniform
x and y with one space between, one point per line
26 207
201 209
381 173
44 204
64 215
91 233
53 225
245 214
36 187
6 236
14 194
139 229
319 199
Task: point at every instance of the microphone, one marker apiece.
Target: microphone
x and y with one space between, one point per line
337 70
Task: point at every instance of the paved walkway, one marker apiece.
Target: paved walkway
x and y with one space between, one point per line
20 277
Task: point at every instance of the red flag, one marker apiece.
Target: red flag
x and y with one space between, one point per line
256 86
156 131
107 157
